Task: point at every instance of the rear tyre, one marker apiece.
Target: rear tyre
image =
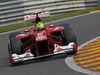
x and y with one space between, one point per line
69 36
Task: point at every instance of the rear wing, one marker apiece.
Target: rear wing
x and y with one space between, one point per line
33 16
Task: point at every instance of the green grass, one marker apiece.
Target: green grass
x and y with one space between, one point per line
53 18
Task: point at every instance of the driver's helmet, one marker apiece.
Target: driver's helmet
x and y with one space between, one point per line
40 24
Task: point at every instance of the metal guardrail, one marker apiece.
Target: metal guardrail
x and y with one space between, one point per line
12 12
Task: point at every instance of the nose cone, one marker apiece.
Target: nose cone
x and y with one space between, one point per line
41 36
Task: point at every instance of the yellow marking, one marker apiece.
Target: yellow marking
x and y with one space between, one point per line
82 65
87 50
91 46
93 43
98 67
94 70
87 57
89 65
84 56
93 64
88 61
89 53
86 66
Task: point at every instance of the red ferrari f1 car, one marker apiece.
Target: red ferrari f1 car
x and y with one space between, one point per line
44 42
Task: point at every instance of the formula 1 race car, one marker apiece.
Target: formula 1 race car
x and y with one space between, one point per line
37 43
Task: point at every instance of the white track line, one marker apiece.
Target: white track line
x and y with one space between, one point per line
53 22
71 63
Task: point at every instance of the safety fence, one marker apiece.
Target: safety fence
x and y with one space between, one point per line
12 12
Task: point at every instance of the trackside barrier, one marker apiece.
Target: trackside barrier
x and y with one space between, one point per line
13 12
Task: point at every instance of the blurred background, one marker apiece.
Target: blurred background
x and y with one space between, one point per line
12 11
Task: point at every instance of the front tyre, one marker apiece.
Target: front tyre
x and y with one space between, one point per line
14 46
13 34
68 37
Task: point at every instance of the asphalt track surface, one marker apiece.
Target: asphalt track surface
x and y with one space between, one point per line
85 27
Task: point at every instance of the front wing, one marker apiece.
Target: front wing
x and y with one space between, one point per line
29 56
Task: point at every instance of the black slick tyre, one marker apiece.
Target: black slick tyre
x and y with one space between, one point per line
69 36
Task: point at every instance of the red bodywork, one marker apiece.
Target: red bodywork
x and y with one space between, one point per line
40 36
47 41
